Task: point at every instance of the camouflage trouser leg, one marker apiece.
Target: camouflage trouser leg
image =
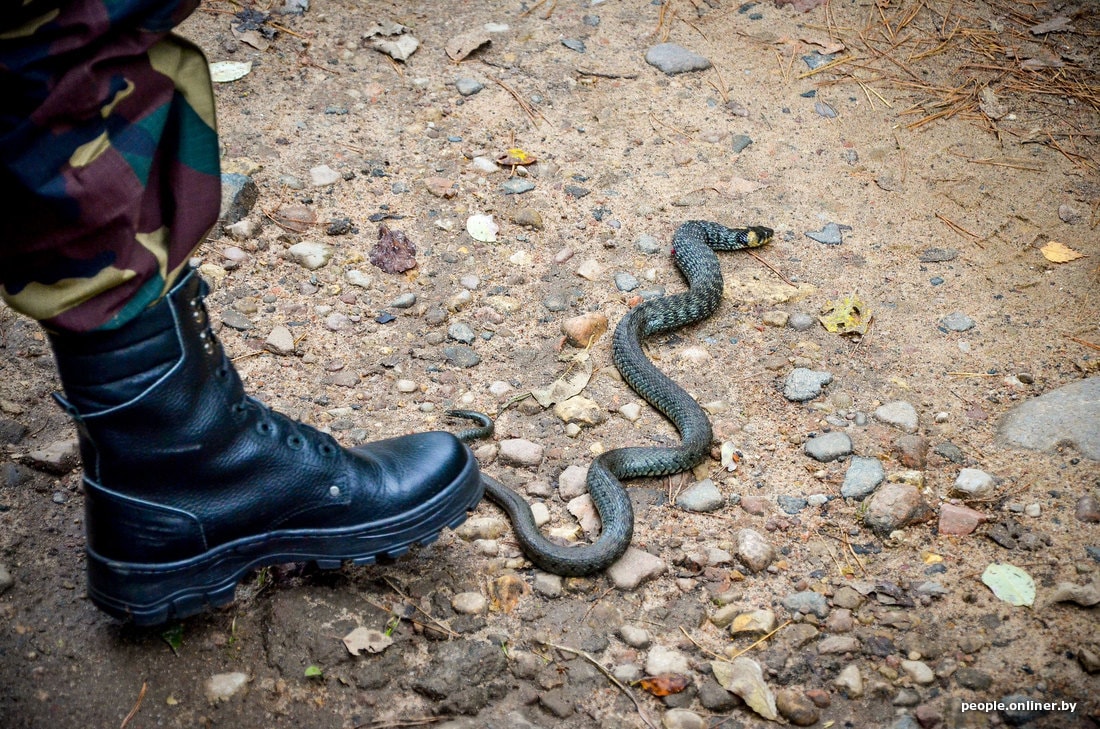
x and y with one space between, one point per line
108 157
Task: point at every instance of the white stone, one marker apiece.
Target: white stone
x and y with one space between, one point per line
547 584
223 686
899 414
356 277
661 660
280 340
918 671
406 386
322 175
572 482
631 411
520 452
469 603
850 681
974 483
310 255
635 636
635 567
590 269
540 513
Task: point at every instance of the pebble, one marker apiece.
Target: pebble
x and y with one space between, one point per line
661 660
461 355
974 483
635 567
547 584
912 451
1088 509
358 278
625 282
862 478
482 527
584 330
241 230
973 679
238 196
406 386
919 671
757 621
336 322
310 255
755 505
590 269
796 707
223 686
894 506
830 235
957 322
849 681
648 245
528 217
1069 214
807 602
403 301
572 482
280 340
631 411
469 603
739 142
682 719
323 175
791 504
520 452
1070 414
1033 510
58 457
900 414
468 86
777 318
557 301
673 59
754 551
801 321
828 447
1020 710
516 186
959 520
6 580
573 44
635 636
581 411
701 497
236 320
461 333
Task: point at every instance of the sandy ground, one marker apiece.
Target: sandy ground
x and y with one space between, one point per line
898 146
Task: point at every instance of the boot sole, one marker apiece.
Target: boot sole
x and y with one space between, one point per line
152 594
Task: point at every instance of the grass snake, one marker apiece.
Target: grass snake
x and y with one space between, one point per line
693 249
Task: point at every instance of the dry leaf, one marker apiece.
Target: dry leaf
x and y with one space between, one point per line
393 252
367 639
745 678
568 385
505 592
1054 25
827 45
846 316
1059 253
295 218
463 45
253 38
665 685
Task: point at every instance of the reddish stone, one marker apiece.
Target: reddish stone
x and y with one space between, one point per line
958 520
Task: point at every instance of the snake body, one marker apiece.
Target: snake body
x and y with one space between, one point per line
693 249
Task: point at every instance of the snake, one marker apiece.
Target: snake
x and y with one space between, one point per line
693 250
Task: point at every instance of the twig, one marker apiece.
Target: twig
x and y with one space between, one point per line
288 31
439 625
390 724
749 648
773 269
970 374
653 117
523 103
1084 342
700 646
961 230
137 705
610 677
604 74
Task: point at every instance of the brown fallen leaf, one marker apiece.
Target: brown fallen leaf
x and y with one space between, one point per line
665 684
366 639
505 592
295 218
1059 252
463 45
393 252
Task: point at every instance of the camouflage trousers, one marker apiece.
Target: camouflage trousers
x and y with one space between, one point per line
108 157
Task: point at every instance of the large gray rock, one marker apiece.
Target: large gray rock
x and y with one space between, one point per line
1070 414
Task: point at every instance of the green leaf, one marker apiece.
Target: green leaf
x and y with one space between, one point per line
173 637
314 672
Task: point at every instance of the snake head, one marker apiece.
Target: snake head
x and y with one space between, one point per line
758 235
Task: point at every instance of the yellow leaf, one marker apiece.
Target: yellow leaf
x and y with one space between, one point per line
846 316
1059 253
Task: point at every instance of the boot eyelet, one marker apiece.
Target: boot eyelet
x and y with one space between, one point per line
327 449
265 427
295 442
334 491
222 372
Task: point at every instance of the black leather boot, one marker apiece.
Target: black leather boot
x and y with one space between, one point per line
189 483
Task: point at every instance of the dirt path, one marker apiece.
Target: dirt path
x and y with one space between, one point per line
943 198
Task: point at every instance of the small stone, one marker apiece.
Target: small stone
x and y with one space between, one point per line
757 621
236 320
850 682
337 322
807 602
280 340
239 195
740 142
516 186
959 520
358 278
796 707
484 527
441 187
828 447
974 483
1067 415
791 504
648 245
461 333
862 478
754 551
1069 214
590 269
973 679
838 645
701 497
484 164
582 331
912 451
404 301
461 355
938 255
662 660
847 597
673 59
406 386
635 567
625 282
899 414
1033 510
919 671
310 255
223 686
755 505
631 411
682 719
547 584
6 580
323 175
576 191
635 636
469 603
801 321
520 452
894 506
241 230
58 457
1088 509
580 410
1087 656
776 318
957 322
468 86
573 482
528 218
804 384
830 235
